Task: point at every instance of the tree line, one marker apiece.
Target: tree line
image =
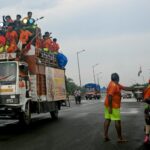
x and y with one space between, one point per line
71 86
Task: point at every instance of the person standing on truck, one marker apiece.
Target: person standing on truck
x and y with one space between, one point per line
24 37
17 23
2 42
55 46
7 20
47 42
11 39
26 20
112 107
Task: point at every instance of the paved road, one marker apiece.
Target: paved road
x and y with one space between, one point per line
79 127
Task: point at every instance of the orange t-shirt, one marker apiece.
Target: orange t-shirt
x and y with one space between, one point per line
24 36
38 43
147 92
2 40
114 90
47 43
55 47
12 36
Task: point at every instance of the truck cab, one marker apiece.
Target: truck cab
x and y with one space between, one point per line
92 91
13 88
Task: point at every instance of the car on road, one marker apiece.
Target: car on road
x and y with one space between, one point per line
126 95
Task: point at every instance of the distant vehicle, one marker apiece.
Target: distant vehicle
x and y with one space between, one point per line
92 91
126 95
138 95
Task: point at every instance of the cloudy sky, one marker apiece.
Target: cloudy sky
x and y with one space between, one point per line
114 33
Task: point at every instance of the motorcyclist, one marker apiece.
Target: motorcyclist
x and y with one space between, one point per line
77 95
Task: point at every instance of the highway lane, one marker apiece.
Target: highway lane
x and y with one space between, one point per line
79 127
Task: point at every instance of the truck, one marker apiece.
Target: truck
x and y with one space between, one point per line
92 91
30 84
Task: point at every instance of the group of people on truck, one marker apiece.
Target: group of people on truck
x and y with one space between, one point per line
20 33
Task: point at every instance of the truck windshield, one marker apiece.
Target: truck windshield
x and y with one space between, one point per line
8 72
90 89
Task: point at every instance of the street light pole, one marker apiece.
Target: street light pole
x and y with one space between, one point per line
98 77
94 72
79 65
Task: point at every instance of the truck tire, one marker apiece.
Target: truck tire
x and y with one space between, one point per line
25 117
54 114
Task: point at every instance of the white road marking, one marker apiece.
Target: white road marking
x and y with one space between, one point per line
130 111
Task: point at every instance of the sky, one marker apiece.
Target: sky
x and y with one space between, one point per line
115 34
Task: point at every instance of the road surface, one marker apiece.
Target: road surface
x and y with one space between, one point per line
79 127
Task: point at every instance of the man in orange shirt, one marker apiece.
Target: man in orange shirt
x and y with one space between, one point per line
47 42
2 42
112 107
24 37
147 112
55 46
11 39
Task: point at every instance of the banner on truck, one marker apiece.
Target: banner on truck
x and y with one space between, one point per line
55 84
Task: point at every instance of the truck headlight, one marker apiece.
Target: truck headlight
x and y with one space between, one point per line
12 96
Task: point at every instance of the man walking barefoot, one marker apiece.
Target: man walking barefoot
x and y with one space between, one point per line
112 107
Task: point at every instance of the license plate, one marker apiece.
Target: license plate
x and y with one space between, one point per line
9 101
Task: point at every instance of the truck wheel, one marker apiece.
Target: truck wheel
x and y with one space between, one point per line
25 117
54 114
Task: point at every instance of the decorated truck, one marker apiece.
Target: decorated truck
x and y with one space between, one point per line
31 82
92 91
